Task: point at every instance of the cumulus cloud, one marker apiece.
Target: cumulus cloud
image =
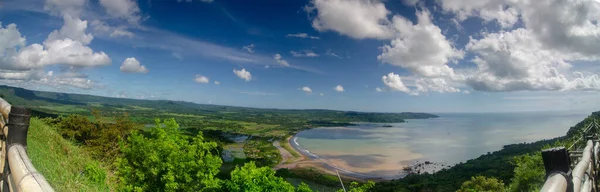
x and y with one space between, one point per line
201 79
303 53
217 83
339 88
123 9
379 89
355 18
73 28
434 85
302 35
278 59
503 12
132 65
516 60
394 82
23 65
306 89
420 48
249 48
243 74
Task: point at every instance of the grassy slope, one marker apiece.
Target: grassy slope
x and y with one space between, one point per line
61 162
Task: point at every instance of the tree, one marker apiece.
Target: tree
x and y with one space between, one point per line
529 173
303 187
356 187
251 178
167 160
482 184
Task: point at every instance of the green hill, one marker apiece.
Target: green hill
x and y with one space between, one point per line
66 166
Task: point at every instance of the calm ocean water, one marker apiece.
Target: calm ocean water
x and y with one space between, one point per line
450 139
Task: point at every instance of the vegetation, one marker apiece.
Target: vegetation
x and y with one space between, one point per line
251 178
482 184
67 167
101 137
107 147
167 160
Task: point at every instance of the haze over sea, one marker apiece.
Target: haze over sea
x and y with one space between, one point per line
452 138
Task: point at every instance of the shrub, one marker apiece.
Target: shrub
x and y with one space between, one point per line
167 160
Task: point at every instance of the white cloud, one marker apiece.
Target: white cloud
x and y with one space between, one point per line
123 9
339 88
102 28
435 85
217 83
331 53
10 38
243 74
379 89
278 59
302 35
420 48
500 11
569 26
65 7
394 82
53 51
249 48
132 65
201 79
73 28
306 89
303 53
355 18
410 2
516 60
121 32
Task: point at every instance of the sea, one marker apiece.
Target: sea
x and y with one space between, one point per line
380 151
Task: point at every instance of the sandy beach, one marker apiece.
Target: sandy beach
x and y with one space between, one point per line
328 166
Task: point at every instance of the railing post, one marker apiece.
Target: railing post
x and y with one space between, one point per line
556 161
18 126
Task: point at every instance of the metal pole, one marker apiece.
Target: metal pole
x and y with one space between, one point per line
338 174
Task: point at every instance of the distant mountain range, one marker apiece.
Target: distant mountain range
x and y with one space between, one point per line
61 103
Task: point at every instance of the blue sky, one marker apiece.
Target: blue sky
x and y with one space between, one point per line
386 56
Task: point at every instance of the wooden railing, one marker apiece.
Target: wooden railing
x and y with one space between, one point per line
18 174
571 169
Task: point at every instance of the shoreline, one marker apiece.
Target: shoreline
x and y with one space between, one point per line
308 159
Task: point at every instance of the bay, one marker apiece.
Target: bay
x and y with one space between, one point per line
377 151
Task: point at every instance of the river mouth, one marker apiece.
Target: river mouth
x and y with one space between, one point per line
384 151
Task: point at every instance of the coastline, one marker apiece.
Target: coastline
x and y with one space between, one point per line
309 160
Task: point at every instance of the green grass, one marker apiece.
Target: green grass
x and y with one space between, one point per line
64 108
61 162
182 115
